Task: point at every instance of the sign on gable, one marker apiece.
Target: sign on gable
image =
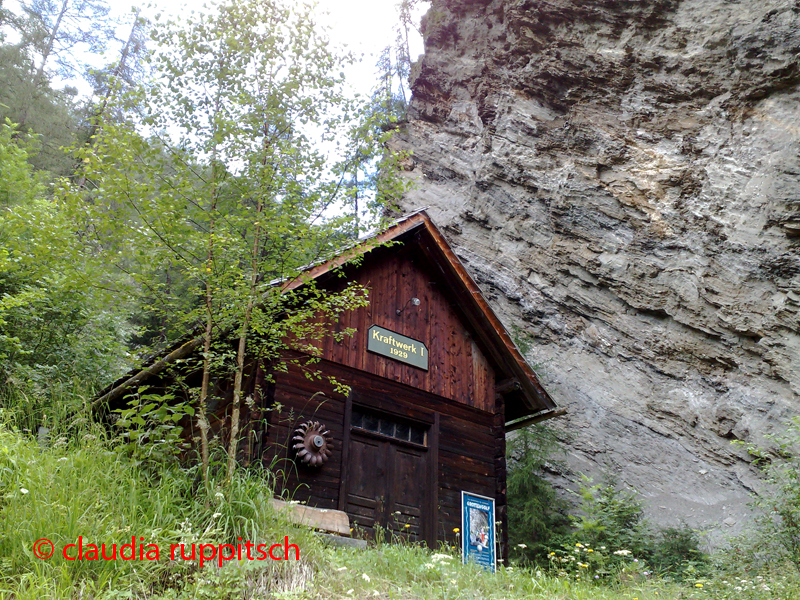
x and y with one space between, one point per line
399 347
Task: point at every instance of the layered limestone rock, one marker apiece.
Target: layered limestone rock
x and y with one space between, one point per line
623 180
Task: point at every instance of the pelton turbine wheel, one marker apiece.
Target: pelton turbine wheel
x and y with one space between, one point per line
312 442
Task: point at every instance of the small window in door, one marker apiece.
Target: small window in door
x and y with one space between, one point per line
387 426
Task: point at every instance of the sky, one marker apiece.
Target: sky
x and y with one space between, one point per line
365 27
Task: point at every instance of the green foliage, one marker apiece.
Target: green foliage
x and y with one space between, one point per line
775 538
612 540
780 519
150 427
51 113
54 327
608 539
233 166
19 185
81 484
676 552
611 517
601 564
536 516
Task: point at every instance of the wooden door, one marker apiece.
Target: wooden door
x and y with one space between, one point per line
366 494
408 491
387 486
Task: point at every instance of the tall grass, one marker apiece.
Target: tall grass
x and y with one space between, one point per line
58 409
79 485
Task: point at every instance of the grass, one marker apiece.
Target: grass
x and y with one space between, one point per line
80 484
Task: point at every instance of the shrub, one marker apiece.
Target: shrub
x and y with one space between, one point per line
676 552
777 522
611 517
612 539
80 485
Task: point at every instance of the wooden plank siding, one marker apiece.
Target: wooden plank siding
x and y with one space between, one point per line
462 439
458 367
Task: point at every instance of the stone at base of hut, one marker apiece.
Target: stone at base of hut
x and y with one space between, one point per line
346 542
333 521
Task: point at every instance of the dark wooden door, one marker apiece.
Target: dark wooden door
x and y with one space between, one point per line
387 486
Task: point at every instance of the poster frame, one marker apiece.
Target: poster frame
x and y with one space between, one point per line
466 533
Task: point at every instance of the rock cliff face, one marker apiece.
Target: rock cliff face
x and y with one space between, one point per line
623 180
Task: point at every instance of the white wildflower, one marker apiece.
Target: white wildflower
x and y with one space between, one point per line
365 577
522 545
342 569
23 490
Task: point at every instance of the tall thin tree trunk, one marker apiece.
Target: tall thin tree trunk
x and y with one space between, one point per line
248 313
50 43
45 55
239 378
355 198
202 417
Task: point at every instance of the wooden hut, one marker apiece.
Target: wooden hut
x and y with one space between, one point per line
435 384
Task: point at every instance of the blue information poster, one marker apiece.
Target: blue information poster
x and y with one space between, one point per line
478 530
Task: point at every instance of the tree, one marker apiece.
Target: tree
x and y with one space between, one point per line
52 113
54 327
54 29
536 516
42 43
125 72
231 184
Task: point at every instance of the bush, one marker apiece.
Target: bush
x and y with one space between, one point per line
611 539
611 517
776 536
676 552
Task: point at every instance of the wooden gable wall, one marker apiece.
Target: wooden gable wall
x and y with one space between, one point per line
458 368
